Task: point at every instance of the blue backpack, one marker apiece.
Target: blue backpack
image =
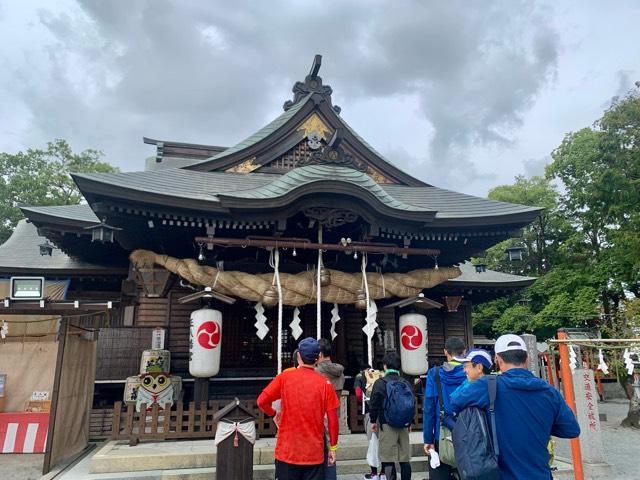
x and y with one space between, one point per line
400 405
476 448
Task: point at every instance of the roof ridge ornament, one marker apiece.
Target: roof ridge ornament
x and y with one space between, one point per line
312 85
333 153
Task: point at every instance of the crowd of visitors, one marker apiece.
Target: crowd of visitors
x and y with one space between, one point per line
476 424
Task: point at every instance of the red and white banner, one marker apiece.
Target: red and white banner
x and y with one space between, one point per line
23 432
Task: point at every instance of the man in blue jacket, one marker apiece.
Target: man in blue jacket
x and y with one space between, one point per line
451 377
527 412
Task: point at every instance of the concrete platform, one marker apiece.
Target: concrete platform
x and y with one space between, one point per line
195 460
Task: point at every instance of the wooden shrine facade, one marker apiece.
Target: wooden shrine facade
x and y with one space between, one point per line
306 178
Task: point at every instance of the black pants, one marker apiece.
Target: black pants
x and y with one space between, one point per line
443 472
288 471
389 469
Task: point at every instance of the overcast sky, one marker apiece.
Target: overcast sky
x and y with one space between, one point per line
464 95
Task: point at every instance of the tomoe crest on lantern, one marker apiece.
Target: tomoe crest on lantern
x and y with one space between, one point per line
413 343
205 342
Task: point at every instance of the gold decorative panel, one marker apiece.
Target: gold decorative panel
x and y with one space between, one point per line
244 167
377 176
315 124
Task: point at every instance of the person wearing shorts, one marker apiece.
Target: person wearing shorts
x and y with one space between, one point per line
394 444
307 398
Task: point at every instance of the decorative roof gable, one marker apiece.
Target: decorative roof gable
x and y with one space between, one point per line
312 125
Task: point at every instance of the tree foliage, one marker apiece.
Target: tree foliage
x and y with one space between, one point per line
41 177
585 247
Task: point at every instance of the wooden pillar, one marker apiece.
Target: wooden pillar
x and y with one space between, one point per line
200 390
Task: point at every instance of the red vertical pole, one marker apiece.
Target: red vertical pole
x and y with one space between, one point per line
547 359
569 397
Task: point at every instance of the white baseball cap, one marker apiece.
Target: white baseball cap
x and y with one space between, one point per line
509 342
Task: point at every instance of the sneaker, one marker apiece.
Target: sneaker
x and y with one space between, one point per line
369 476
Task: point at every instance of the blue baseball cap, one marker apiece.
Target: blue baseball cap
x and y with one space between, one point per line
309 349
477 355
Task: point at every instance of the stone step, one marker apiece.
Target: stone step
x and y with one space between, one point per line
118 456
260 472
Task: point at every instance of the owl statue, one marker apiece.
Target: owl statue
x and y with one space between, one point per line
155 387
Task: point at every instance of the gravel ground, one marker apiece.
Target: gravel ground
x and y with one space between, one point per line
20 466
621 445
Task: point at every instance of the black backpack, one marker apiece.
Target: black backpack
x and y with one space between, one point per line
476 449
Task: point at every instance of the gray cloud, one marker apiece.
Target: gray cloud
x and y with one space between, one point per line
535 166
211 73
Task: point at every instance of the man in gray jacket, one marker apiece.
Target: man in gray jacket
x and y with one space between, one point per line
334 372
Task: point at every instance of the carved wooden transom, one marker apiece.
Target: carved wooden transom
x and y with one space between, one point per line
330 217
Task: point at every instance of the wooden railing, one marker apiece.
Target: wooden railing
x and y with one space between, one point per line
197 421
175 422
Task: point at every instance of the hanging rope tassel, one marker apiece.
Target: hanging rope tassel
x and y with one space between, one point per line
236 441
276 267
319 289
369 328
602 365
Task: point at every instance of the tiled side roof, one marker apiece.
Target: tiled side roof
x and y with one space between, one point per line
178 182
489 277
21 251
263 132
82 213
197 185
317 173
451 204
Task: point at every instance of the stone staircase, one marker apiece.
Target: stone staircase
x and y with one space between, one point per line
196 459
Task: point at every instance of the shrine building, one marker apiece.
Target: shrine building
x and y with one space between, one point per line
303 209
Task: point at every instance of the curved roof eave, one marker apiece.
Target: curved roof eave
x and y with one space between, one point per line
328 175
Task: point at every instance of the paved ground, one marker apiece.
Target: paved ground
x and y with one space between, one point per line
621 445
21 466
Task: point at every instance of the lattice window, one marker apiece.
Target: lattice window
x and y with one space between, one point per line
289 160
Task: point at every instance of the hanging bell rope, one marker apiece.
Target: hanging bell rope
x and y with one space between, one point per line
300 288
275 262
319 288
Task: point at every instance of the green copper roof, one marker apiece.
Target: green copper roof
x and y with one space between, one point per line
263 132
322 173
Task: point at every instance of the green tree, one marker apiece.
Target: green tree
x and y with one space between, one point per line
541 239
41 177
585 248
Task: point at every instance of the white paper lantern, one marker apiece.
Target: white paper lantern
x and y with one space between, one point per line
413 343
205 342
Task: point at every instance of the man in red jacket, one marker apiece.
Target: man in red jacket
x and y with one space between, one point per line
306 398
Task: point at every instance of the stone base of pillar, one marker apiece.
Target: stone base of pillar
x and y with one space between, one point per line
344 420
